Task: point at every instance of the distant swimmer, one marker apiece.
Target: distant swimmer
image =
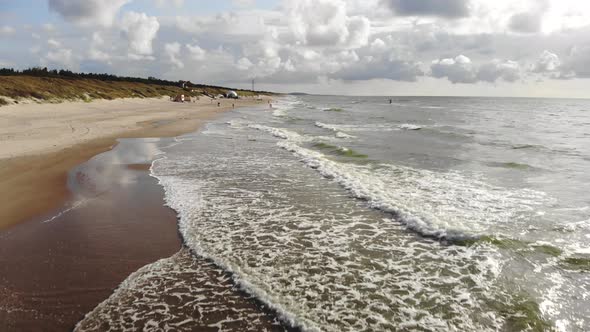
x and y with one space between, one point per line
391 101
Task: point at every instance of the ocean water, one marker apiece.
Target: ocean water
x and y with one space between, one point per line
423 214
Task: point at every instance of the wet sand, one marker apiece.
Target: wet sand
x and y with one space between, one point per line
56 268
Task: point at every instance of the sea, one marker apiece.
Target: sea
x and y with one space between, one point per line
393 214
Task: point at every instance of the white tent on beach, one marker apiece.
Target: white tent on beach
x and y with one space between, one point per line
232 95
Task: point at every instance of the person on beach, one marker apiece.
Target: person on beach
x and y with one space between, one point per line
218 104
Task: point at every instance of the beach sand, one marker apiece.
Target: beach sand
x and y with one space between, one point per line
79 241
40 142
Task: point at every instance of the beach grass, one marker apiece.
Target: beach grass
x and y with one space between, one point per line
58 89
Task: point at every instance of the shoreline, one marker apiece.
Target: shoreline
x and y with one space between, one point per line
58 266
55 273
37 149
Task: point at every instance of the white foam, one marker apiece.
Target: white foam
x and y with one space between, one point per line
408 126
340 134
443 205
324 267
279 112
357 127
202 296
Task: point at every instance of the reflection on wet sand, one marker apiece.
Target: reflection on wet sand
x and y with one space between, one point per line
58 267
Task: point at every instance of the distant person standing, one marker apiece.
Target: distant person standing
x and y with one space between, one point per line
218 104
391 101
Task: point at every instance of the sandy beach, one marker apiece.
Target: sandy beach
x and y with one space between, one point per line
40 142
94 217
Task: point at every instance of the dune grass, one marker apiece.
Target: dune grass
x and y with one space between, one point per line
55 90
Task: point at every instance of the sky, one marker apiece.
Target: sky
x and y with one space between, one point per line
525 48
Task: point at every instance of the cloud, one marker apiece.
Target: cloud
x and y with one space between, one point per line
48 27
167 3
508 71
359 29
62 58
94 53
172 50
326 23
88 12
462 70
98 55
547 63
197 53
442 8
577 63
244 64
140 31
457 70
531 20
368 69
53 43
243 3
525 23
7 30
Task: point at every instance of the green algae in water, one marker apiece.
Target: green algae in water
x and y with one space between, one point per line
498 242
576 263
516 165
351 153
548 250
511 244
324 146
339 151
333 110
522 314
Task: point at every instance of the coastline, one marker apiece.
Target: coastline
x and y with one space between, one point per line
58 266
40 143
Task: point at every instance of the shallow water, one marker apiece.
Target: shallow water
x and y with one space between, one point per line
430 214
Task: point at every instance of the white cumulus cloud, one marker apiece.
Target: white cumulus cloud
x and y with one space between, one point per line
88 12
173 52
140 31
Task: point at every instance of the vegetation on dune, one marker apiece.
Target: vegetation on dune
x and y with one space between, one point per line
57 86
